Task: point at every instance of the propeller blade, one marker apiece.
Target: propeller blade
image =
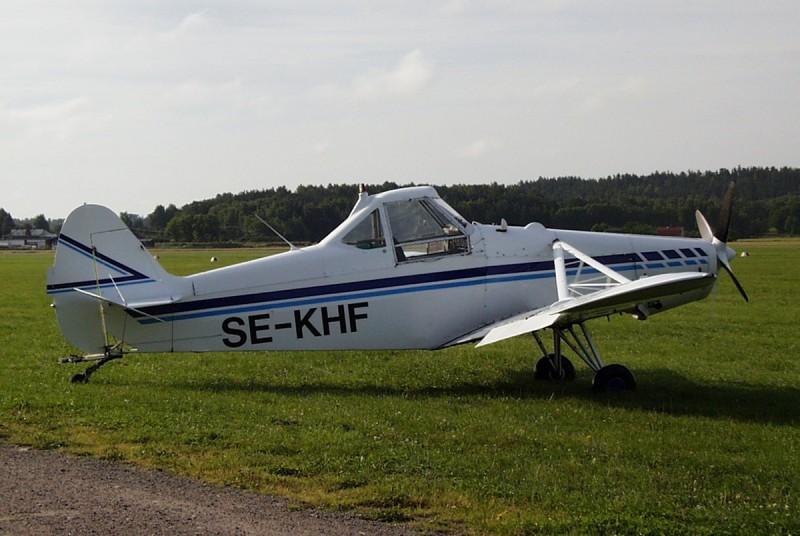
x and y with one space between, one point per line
724 222
703 226
719 238
739 286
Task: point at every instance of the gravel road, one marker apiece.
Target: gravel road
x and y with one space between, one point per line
46 492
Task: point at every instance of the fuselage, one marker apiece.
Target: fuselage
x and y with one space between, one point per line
384 281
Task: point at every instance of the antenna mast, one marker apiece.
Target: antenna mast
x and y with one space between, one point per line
271 228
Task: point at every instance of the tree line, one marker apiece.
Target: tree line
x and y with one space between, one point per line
7 223
767 201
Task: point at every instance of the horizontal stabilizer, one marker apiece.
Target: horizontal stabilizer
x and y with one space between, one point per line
622 298
135 307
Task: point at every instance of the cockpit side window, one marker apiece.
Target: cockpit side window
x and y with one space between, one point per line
368 233
421 228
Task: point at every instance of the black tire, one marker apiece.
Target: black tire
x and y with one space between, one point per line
546 370
80 378
614 378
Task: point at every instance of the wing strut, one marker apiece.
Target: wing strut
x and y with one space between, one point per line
567 291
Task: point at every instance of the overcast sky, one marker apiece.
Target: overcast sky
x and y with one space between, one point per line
134 103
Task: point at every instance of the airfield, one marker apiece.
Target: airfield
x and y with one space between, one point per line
462 440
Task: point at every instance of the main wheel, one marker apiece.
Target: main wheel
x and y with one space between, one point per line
614 378
546 369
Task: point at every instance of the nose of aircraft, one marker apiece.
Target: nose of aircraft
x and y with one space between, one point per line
719 238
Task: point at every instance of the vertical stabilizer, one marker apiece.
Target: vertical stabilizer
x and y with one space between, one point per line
98 258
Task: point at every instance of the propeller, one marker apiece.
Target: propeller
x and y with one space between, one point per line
719 237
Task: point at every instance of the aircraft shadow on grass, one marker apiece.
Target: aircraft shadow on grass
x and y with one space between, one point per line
667 393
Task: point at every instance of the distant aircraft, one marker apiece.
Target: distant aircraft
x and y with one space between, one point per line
403 271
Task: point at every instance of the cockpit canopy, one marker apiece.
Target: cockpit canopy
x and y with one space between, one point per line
413 221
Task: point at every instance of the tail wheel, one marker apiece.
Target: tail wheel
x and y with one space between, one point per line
546 369
614 378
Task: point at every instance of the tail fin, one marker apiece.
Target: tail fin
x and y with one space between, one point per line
100 261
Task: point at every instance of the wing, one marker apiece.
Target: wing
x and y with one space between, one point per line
618 299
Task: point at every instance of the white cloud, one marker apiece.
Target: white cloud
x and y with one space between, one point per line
411 75
59 120
322 146
630 88
194 93
453 7
479 148
192 23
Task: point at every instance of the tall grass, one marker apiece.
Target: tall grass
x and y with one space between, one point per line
461 439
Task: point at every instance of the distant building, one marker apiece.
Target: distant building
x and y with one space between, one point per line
669 231
29 239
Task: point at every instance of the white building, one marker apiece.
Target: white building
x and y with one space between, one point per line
29 239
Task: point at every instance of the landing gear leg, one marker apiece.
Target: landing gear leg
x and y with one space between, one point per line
555 366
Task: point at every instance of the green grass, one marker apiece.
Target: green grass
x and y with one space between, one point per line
462 439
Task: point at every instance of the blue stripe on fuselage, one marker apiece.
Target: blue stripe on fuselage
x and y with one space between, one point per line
357 290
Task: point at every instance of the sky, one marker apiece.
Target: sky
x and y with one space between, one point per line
135 103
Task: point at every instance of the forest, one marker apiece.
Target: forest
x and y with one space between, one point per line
767 202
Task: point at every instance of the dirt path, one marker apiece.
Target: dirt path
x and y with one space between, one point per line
45 492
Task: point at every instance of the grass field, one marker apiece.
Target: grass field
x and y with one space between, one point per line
460 440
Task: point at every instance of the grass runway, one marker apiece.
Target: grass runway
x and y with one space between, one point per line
458 440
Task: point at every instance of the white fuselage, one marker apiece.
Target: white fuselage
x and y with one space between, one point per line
381 280
330 296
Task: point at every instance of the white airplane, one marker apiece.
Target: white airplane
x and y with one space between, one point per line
403 271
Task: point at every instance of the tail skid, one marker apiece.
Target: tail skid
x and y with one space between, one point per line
99 359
